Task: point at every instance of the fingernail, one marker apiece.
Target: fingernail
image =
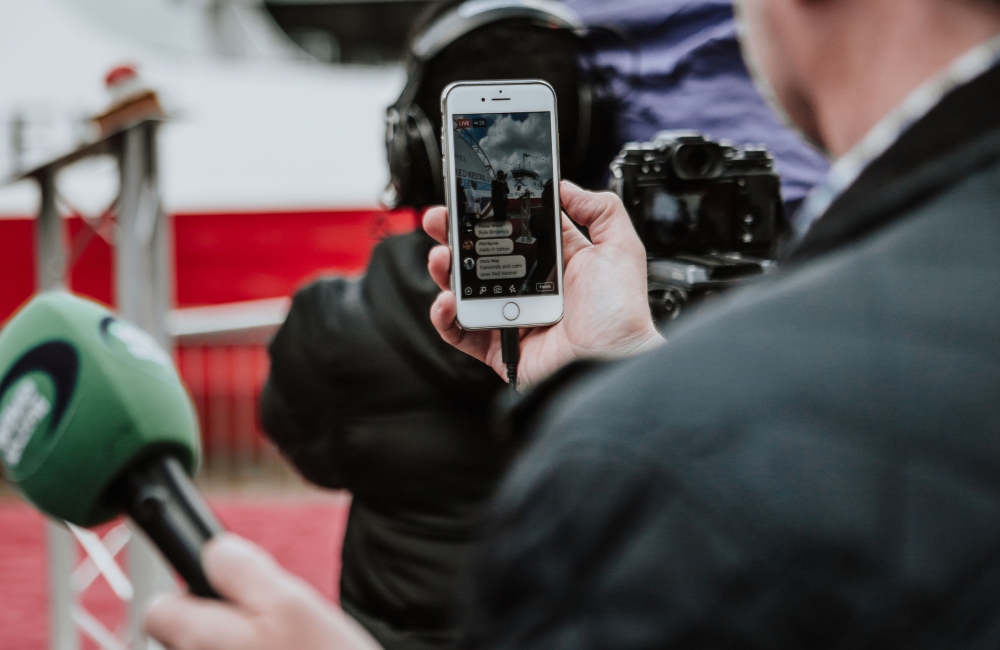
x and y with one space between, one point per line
228 546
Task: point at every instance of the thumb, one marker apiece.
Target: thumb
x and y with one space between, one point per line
602 214
244 573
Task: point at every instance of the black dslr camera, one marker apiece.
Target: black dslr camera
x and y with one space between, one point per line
709 214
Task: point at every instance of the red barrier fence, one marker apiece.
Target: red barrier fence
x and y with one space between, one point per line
225 383
219 258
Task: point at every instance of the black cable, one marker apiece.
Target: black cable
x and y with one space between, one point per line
510 349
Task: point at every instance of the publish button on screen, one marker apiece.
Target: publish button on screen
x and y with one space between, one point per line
545 287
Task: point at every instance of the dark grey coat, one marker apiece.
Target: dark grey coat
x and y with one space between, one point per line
811 462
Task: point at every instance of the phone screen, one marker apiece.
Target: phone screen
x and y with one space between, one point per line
507 217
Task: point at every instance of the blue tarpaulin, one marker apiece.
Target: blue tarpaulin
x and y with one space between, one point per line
676 64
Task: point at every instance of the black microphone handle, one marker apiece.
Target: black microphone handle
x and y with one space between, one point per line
158 495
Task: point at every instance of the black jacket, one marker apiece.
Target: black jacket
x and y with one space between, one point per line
364 395
811 462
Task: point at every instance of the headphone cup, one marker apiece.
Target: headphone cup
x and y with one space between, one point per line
410 161
411 144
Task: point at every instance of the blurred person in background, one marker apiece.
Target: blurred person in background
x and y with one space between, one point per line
499 196
812 462
363 393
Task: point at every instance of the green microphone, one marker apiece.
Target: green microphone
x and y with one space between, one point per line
94 421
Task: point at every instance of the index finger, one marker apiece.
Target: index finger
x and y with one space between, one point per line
436 224
244 574
184 622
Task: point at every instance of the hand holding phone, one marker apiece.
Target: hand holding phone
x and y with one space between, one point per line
606 309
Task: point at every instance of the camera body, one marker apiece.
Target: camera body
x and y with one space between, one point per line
710 214
690 195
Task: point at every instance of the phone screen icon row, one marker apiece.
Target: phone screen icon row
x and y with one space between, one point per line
496 289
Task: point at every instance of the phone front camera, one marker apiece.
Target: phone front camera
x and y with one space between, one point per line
484 99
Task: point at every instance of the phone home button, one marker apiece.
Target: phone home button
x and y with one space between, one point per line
511 311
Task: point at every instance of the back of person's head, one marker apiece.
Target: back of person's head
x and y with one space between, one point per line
515 47
509 49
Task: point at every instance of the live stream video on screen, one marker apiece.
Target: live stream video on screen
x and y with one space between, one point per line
505 203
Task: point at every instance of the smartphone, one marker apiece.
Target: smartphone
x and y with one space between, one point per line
501 165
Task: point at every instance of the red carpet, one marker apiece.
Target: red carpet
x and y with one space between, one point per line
305 536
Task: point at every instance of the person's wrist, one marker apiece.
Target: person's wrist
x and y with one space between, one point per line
646 340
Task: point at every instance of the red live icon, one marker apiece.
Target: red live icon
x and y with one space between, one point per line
463 124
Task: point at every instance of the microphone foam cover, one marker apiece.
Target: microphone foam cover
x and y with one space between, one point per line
84 396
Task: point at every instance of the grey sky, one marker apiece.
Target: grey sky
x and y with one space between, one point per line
507 139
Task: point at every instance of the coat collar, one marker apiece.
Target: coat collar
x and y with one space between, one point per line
956 136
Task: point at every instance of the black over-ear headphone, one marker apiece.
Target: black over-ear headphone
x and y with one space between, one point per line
413 150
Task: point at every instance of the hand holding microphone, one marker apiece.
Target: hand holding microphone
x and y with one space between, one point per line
265 608
94 421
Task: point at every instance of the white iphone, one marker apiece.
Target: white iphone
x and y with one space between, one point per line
501 164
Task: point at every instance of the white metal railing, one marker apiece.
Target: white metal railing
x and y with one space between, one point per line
78 558
142 284
250 322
